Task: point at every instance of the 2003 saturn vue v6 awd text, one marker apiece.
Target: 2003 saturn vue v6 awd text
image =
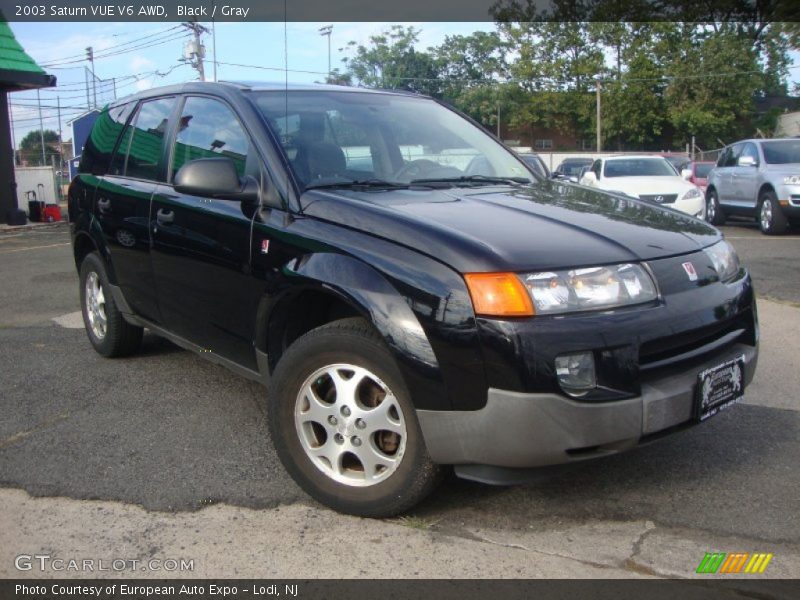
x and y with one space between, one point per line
411 293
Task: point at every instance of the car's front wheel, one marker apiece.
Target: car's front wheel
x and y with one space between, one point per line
771 219
714 214
343 424
108 331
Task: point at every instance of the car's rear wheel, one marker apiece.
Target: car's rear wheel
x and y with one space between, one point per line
108 331
714 214
771 219
343 423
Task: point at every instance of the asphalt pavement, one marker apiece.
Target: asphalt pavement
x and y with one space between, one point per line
170 432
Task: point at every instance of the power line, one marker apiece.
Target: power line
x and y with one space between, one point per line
63 58
509 80
149 44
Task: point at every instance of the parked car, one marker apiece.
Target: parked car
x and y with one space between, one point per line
535 162
676 160
696 172
757 178
650 178
403 313
570 168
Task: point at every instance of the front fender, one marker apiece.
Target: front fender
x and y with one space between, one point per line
368 292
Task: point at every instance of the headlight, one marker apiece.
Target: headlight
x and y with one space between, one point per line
791 180
595 288
692 193
724 259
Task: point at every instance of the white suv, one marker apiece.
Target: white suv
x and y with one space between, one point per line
757 178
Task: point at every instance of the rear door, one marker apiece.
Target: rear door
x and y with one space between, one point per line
201 246
122 203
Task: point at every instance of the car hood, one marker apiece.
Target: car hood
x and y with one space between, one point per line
548 225
783 170
635 186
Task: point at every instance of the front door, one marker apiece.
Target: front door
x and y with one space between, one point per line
201 246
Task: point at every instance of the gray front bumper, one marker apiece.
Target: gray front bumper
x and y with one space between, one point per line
530 430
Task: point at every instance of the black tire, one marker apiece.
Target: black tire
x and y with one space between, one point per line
120 338
771 219
714 213
352 341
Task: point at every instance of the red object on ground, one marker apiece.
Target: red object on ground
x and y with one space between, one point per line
52 212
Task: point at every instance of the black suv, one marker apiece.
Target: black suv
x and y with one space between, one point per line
412 294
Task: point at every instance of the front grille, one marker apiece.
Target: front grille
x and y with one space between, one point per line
692 344
659 198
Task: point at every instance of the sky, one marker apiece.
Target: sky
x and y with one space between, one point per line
156 59
145 55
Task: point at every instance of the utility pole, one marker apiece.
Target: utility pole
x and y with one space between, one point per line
41 126
599 130
326 31
90 58
86 79
194 52
214 46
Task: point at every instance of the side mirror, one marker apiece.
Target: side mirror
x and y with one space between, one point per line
214 178
746 161
588 178
686 174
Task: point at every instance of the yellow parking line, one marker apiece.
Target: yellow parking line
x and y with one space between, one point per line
33 248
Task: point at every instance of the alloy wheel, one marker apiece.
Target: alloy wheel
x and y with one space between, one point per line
766 214
96 305
350 425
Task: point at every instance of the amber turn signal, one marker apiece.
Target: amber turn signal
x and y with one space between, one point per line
499 295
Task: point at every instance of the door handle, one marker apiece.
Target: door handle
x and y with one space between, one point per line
165 217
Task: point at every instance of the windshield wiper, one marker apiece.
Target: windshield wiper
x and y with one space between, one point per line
475 179
366 183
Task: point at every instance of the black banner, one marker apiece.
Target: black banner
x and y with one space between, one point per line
392 10
390 589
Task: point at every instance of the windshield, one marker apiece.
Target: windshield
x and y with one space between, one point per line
701 171
333 138
638 167
781 152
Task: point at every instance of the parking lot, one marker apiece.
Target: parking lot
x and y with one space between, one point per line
152 439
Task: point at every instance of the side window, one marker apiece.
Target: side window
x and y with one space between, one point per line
733 155
723 157
751 151
208 129
96 153
141 146
596 167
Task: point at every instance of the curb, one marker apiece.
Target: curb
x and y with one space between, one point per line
14 228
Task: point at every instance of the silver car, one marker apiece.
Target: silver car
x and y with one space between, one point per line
757 178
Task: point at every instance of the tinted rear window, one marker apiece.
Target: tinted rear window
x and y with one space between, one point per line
103 138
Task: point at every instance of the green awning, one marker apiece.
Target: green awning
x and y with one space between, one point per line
18 71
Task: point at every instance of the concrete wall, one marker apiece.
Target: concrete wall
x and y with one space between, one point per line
29 178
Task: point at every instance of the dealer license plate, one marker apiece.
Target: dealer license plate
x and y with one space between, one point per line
719 387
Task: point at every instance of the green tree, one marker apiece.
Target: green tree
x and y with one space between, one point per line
716 76
390 61
30 148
